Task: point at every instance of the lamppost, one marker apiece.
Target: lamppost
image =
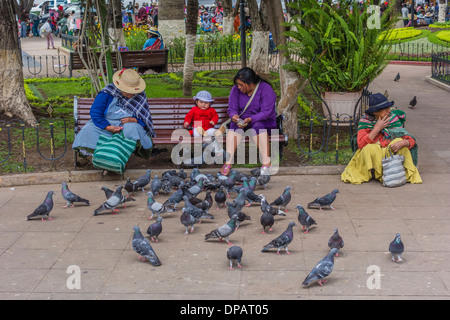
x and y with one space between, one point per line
243 45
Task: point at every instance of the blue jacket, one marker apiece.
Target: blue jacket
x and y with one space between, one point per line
99 109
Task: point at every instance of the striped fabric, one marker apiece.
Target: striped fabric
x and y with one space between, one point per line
112 153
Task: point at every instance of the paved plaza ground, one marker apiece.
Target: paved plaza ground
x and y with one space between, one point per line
35 256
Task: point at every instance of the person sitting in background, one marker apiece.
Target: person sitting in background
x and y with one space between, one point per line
380 128
154 41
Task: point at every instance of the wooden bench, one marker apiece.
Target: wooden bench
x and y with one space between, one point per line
156 60
168 115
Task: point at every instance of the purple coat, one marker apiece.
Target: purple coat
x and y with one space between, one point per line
262 110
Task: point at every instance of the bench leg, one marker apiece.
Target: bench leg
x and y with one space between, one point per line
75 157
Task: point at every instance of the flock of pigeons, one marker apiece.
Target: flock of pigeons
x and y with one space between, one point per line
195 209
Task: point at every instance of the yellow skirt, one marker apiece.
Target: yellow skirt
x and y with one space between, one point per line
359 169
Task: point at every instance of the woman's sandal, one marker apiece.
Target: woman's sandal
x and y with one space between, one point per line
225 170
265 169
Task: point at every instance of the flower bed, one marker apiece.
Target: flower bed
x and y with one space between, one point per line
401 34
444 36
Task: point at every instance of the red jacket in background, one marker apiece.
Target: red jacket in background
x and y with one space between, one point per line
205 116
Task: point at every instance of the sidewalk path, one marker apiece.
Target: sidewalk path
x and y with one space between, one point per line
35 255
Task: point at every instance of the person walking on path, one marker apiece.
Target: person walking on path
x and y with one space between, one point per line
46 30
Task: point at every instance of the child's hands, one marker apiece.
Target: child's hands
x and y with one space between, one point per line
211 123
186 125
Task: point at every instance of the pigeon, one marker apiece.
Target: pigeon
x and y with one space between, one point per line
236 211
175 198
224 231
194 211
267 220
44 208
322 269
282 241
154 230
397 77
155 207
324 201
70 197
239 201
188 220
234 253
412 103
197 188
182 174
112 202
129 187
284 199
336 241
305 219
230 181
396 248
166 186
220 197
265 206
142 181
108 192
156 185
261 179
143 248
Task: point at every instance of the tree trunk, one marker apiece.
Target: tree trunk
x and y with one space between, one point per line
115 28
171 19
13 100
191 37
290 81
442 9
259 56
228 17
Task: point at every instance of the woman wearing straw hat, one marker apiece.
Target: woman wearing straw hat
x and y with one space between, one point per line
154 41
120 106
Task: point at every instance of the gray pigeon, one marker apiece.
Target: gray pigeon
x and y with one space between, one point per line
194 211
166 186
143 248
129 187
305 219
44 208
224 231
220 197
322 269
396 248
71 197
110 204
234 253
155 229
109 193
266 220
282 241
284 199
265 206
336 241
156 185
240 215
197 188
188 221
175 198
155 207
239 201
324 201
142 181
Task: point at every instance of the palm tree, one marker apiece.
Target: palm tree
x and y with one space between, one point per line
171 19
191 36
13 100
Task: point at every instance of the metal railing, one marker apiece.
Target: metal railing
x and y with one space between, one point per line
39 146
440 67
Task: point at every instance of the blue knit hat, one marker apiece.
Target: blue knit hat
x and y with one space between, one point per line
204 96
377 102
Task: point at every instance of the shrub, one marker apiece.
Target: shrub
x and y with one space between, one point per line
444 36
400 34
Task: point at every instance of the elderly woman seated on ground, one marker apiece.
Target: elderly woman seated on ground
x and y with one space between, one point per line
120 106
379 128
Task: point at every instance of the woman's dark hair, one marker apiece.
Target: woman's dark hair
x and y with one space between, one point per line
248 75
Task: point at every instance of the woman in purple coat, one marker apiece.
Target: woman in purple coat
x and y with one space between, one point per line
258 118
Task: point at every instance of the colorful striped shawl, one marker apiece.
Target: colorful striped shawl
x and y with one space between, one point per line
396 120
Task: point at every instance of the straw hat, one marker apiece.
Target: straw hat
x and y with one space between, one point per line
129 81
154 31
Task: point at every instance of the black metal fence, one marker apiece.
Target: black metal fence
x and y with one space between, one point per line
440 67
39 146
